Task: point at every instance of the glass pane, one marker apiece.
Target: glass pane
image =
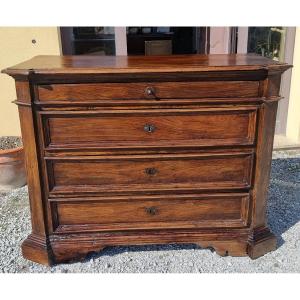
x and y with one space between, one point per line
267 41
94 40
183 40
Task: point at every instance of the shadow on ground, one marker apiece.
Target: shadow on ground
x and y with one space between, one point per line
284 196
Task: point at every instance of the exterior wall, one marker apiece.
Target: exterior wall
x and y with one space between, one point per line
16 46
288 41
293 121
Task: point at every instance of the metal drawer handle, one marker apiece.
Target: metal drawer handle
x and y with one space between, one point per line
150 91
151 210
150 171
149 128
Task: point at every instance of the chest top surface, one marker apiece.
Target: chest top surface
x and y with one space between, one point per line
82 64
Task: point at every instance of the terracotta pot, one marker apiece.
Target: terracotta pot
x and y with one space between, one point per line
12 169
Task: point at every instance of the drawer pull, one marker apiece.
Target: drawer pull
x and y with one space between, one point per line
151 210
149 128
150 91
150 171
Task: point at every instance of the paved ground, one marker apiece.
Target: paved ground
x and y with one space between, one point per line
284 220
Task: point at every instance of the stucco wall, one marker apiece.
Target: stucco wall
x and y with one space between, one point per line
293 121
15 47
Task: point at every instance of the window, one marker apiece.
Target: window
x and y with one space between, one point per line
88 40
267 41
140 40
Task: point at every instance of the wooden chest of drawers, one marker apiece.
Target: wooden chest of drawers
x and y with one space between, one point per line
147 150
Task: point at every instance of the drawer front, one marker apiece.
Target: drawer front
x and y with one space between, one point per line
144 90
225 210
148 173
198 127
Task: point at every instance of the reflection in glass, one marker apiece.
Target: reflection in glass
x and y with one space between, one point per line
267 41
94 40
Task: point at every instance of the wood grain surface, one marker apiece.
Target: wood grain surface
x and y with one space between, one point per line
147 150
202 127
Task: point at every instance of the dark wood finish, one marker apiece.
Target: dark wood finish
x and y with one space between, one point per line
47 64
225 242
228 210
36 247
215 126
150 173
147 90
147 150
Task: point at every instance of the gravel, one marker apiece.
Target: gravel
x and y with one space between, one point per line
283 216
10 142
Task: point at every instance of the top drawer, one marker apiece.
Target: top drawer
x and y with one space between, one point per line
147 90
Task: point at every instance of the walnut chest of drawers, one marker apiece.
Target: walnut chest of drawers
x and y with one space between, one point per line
147 150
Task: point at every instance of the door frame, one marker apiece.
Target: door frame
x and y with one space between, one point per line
220 38
120 41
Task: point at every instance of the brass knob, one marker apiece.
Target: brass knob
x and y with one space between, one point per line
150 91
150 171
151 210
149 128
